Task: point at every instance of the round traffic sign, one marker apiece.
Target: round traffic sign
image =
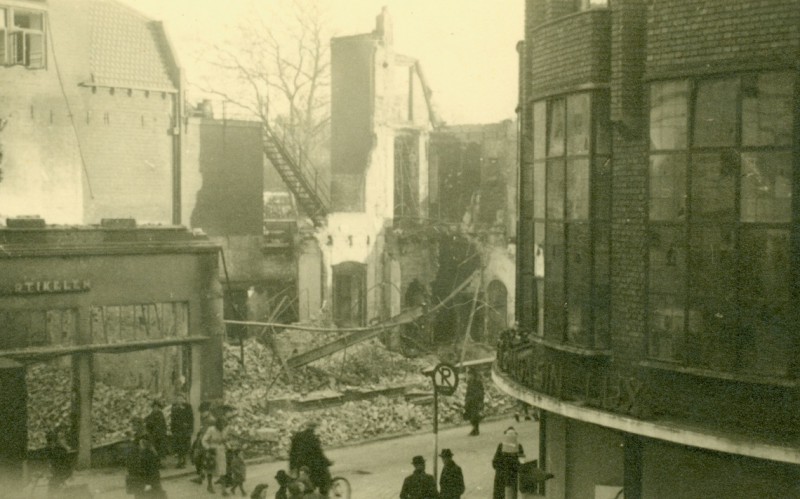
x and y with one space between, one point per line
445 379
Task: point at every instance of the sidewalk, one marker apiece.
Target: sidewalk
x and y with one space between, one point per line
375 468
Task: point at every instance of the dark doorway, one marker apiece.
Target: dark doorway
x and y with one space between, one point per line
13 416
349 294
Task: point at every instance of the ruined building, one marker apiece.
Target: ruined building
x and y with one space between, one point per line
657 247
416 208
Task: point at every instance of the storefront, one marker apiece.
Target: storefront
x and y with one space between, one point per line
95 323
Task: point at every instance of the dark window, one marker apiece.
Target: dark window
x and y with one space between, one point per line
718 294
572 190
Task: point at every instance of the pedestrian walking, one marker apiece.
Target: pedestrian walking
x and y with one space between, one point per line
213 442
283 480
156 426
198 453
144 477
451 481
506 464
237 471
306 450
58 458
419 485
181 424
473 401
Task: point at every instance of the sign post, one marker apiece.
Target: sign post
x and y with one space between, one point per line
445 381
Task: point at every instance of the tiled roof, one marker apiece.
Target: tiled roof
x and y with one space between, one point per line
127 50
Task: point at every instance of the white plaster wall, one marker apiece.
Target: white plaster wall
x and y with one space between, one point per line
500 265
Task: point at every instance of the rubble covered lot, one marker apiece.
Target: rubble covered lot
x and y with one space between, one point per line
363 392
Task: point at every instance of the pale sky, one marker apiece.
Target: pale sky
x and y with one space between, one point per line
466 47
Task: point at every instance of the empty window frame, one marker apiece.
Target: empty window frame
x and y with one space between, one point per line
22 40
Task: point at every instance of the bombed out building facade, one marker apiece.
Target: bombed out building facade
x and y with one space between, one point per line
657 251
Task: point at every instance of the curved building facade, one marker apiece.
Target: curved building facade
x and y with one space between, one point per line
657 257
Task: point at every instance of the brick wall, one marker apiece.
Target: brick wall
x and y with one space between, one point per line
629 185
569 51
712 35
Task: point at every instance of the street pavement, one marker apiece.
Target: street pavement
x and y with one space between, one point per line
375 469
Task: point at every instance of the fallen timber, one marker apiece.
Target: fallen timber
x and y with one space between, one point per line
359 334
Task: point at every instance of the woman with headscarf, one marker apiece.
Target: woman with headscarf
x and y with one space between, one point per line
506 463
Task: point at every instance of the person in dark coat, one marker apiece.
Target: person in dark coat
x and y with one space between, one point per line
451 481
473 401
283 480
181 424
506 464
58 458
156 425
306 450
419 485
144 477
197 451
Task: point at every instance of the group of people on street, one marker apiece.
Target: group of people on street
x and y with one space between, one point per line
152 441
506 463
214 455
421 485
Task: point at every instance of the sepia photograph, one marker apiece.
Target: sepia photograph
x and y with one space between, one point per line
415 249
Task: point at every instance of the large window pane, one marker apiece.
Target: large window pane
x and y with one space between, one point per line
578 189
767 105
539 189
767 187
578 283
540 296
715 113
554 282
556 127
578 120
555 189
714 186
539 249
666 292
601 282
712 297
539 130
668 112
668 187
767 334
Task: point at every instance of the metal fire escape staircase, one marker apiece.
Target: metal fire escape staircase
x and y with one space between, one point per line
299 175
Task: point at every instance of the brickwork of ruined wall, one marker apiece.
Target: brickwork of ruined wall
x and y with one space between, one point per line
690 36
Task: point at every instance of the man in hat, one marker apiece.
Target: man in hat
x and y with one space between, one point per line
419 485
306 450
451 481
156 426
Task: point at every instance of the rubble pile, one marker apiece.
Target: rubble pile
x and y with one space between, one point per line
364 367
259 391
49 395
